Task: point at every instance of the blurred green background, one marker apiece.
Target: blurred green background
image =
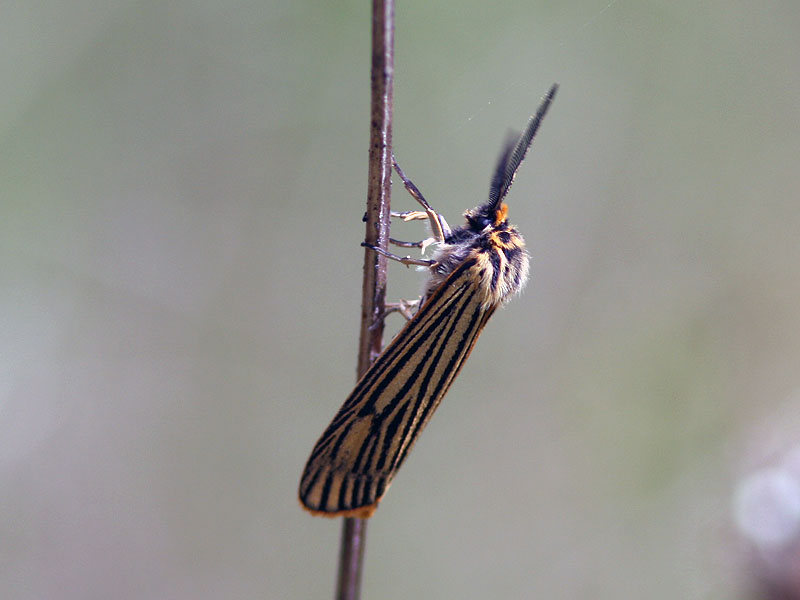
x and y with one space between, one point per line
182 186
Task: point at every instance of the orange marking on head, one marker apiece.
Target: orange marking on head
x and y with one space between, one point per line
501 214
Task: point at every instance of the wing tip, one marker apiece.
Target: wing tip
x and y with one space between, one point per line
362 512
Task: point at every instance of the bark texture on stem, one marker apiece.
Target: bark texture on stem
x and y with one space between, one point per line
378 183
354 531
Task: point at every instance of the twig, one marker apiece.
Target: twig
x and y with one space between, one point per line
354 531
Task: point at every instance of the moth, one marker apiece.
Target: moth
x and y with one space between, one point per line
475 268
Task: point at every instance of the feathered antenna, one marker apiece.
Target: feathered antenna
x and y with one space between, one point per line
514 152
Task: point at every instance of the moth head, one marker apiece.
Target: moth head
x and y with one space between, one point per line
487 215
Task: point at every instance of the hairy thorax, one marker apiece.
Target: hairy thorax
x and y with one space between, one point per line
497 250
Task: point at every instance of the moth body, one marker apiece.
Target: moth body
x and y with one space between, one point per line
475 268
497 249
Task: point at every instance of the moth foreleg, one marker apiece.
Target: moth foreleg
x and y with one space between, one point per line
410 215
439 226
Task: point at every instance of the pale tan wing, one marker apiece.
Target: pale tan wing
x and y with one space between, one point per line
354 461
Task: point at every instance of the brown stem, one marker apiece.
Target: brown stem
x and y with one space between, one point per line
354 531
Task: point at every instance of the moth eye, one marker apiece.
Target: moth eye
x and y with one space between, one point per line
480 221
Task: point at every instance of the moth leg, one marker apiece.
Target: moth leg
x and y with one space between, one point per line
406 260
406 215
404 307
403 244
410 215
439 226
422 244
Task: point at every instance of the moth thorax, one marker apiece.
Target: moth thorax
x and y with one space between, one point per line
448 257
501 269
